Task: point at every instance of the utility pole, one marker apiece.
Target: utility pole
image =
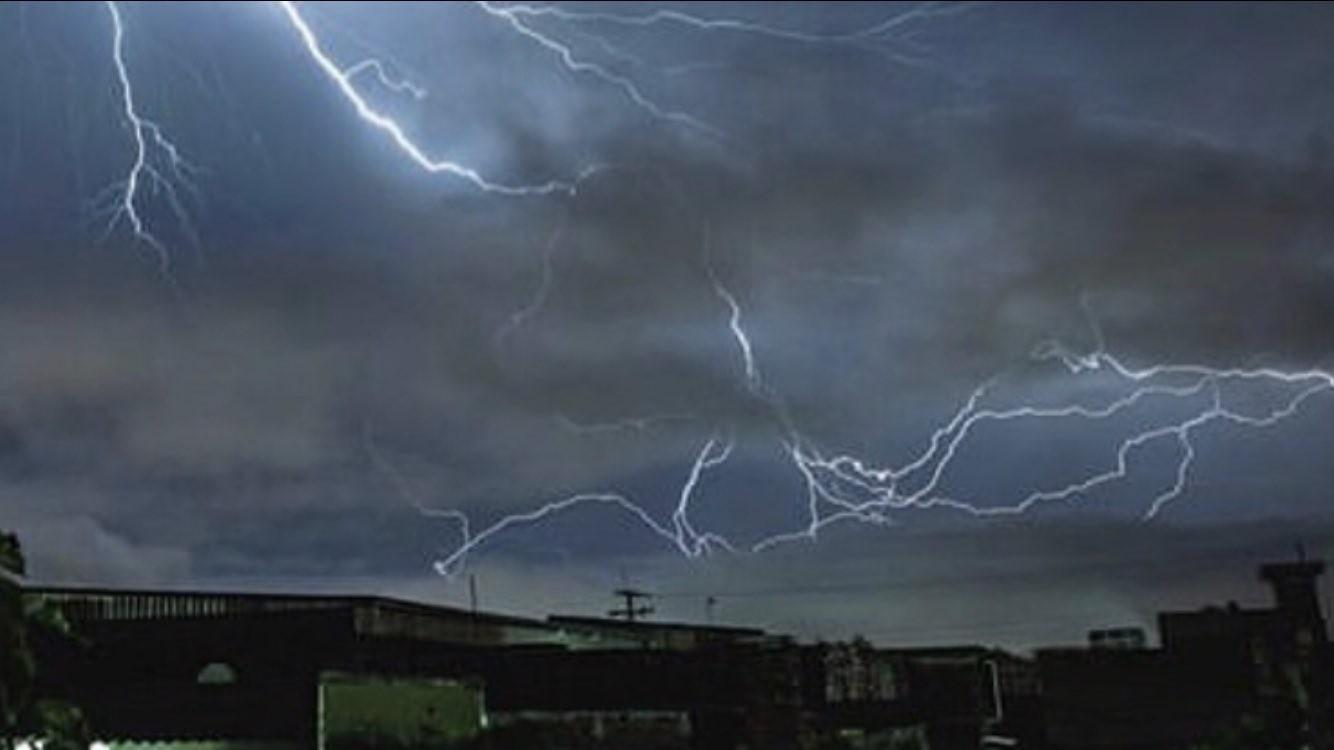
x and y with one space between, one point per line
472 606
630 612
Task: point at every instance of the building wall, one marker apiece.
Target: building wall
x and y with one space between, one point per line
1140 699
364 710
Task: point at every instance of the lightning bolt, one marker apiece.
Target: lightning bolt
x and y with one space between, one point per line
151 147
753 380
342 78
680 534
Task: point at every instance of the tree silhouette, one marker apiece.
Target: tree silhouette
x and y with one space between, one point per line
60 725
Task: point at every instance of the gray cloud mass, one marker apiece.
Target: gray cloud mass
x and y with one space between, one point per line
352 338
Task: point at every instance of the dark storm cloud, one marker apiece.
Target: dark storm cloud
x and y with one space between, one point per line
894 234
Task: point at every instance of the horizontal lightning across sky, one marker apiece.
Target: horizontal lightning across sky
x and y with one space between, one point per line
844 488
838 487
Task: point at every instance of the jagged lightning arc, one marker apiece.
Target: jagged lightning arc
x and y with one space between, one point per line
753 381
680 534
343 80
151 146
882 484
845 488
513 16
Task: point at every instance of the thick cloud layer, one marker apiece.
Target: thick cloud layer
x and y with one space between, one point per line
351 341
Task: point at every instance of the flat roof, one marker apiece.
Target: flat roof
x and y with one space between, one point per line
315 601
606 622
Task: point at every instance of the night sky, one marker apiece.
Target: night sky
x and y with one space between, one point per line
791 228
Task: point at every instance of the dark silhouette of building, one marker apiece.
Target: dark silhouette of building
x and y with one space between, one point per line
174 666
658 635
157 666
1293 627
161 665
1101 698
947 697
1219 670
1121 639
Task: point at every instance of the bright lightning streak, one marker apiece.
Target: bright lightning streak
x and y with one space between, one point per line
136 123
921 12
882 484
343 80
148 139
714 453
881 33
681 535
753 381
512 16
